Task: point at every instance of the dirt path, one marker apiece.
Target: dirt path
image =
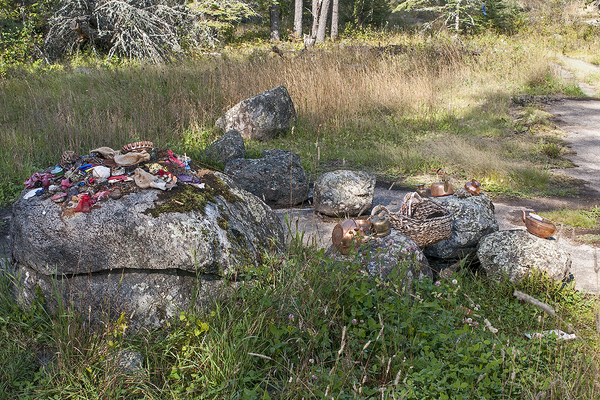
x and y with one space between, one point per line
580 119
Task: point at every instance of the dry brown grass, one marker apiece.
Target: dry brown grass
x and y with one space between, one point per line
356 102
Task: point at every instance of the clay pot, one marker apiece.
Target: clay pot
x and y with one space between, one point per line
443 188
473 187
539 226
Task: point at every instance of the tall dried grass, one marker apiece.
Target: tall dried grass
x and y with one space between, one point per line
344 98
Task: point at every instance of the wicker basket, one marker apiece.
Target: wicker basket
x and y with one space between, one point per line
429 223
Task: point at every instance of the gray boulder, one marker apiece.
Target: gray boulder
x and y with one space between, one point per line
277 177
517 252
394 255
144 253
344 193
473 218
261 117
226 148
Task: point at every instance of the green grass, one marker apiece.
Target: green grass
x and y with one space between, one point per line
574 218
589 238
310 326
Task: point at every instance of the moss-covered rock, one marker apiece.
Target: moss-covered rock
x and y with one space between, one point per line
214 231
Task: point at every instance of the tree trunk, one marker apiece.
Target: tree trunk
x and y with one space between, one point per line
274 12
298 19
457 21
316 6
334 19
322 21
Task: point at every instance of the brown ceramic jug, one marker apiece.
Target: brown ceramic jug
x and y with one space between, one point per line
539 226
473 187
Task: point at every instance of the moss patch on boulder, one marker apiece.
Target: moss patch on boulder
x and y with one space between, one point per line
186 198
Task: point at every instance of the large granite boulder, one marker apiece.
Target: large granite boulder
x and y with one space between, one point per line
226 148
261 117
515 253
344 193
277 177
147 252
395 255
473 218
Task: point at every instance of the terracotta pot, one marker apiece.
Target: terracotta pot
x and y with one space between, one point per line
473 187
539 226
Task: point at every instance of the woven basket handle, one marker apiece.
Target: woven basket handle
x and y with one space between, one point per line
379 210
411 199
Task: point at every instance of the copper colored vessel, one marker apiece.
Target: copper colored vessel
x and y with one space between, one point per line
539 226
365 225
381 226
443 188
473 187
346 235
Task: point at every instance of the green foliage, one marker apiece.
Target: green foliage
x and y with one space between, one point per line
304 324
22 26
546 82
501 16
370 12
467 16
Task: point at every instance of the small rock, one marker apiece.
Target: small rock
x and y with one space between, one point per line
129 361
228 147
261 117
344 193
382 256
515 253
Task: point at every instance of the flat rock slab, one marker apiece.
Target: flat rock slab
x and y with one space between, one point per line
219 230
146 254
149 297
315 230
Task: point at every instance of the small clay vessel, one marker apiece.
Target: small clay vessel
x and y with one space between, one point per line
539 226
345 235
473 187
